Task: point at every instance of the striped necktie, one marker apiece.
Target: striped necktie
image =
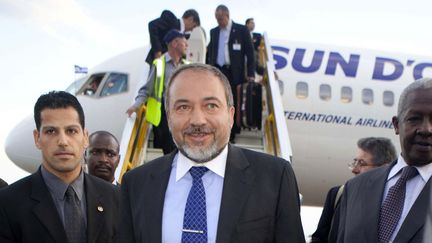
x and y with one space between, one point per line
195 215
392 207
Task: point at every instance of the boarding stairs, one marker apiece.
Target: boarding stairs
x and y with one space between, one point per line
136 146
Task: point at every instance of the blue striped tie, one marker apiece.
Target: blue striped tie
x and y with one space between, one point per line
195 216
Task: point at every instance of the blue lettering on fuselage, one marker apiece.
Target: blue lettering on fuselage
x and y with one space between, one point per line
380 63
338 119
385 69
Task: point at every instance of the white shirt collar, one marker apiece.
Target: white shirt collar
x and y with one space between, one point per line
229 26
425 171
182 26
216 165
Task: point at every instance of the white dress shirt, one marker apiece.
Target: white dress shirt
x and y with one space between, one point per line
225 32
179 185
413 187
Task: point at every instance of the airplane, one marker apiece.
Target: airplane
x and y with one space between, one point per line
331 97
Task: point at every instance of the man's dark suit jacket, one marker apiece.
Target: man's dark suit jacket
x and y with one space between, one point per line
239 35
28 212
157 30
256 40
360 207
321 235
259 200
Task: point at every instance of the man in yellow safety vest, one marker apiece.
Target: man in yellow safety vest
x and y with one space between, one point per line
152 92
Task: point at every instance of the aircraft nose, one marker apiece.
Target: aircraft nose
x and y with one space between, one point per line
20 147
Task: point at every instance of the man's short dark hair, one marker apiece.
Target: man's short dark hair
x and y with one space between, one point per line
381 149
248 20
222 8
57 100
105 133
194 14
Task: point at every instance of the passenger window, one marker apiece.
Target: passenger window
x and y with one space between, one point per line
116 83
325 92
388 98
346 94
302 90
367 96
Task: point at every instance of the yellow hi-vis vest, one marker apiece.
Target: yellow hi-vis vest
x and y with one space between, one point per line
154 101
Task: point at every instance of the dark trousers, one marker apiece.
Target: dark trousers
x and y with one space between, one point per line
162 135
227 72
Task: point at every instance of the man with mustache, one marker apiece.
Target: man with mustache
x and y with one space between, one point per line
102 155
208 190
390 203
59 202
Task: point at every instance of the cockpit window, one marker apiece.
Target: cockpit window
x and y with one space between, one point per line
93 83
116 83
75 86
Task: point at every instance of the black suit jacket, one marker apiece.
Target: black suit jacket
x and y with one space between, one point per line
239 35
157 30
28 212
361 203
321 235
256 40
259 200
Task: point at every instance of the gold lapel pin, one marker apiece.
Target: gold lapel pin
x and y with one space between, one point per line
100 208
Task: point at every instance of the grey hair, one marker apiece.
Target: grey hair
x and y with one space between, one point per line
198 67
424 83
381 149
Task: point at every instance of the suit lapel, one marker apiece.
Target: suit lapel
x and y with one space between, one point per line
232 35
44 208
372 204
95 209
413 221
154 200
237 185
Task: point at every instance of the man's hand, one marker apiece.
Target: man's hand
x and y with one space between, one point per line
157 54
131 110
250 79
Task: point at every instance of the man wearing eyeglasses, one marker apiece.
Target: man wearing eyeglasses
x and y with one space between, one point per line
372 152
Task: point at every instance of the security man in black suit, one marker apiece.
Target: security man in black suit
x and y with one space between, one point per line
59 202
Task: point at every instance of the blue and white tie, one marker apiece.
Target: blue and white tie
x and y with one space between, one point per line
195 216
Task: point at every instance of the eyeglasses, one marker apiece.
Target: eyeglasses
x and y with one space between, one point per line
358 163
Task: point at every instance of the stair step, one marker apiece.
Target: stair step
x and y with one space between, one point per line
153 153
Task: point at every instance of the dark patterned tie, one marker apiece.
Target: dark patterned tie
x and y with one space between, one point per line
195 216
392 207
74 220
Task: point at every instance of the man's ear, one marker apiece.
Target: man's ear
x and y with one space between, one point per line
395 121
231 111
36 137
118 161
86 139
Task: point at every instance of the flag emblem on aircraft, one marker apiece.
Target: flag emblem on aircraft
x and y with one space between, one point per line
79 69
